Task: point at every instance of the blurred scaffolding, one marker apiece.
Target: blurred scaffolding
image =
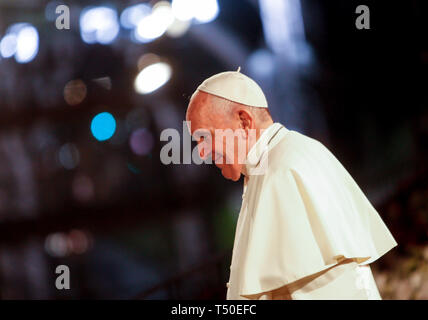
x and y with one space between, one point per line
81 111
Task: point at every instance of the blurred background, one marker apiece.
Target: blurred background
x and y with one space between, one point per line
82 109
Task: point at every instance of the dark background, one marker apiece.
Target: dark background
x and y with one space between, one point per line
129 226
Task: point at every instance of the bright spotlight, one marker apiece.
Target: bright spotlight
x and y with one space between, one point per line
132 15
22 41
178 28
27 44
149 29
152 77
8 46
99 24
203 11
183 9
103 126
155 25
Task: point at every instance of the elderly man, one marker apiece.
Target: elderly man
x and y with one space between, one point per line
305 229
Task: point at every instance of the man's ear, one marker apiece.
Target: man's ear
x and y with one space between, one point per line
246 119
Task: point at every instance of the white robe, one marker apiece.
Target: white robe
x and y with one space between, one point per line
301 213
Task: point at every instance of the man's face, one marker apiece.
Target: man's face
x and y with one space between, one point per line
218 135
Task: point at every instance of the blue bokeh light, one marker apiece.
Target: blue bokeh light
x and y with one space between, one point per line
103 126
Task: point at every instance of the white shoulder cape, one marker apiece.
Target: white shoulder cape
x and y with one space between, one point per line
302 216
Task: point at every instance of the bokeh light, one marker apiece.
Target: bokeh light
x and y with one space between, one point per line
261 63
133 14
141 141
203 11
155 25
8 46
99 24
27 44
61 244
22 41
103 126
56 245
83 188
147 59
104 82
178 28
80 241
68 156
74 92
152 77
50 8
182 9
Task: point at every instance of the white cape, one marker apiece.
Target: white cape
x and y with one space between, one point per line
303 215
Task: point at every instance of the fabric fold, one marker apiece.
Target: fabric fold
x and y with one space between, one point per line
304 215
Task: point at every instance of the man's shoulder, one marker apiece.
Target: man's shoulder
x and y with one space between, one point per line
294 150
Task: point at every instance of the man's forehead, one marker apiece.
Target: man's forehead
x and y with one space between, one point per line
196 113
193 107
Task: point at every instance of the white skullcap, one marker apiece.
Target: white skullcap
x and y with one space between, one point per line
235 86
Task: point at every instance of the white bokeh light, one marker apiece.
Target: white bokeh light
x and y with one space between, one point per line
99 24
152 77
8 46
27 44
178 28
149 29
133 14
22 41
155 25
183 9
203 11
